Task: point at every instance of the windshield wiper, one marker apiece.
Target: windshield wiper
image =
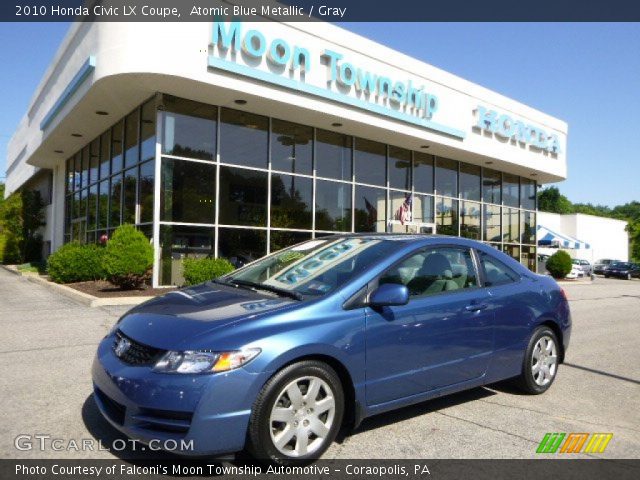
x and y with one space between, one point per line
270 288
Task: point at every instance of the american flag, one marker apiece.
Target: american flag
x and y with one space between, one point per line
404 212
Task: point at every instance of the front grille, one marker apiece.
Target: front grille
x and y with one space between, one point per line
113 409
164 420
137 354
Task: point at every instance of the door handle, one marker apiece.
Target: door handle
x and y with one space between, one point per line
476 307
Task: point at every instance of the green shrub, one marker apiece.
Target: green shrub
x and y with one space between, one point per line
74 262
128 258
559 264
198 270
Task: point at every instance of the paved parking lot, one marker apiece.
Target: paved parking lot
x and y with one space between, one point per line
48 344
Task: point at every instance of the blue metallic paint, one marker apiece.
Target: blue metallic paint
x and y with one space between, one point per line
394 356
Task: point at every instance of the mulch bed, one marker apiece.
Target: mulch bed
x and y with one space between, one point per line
104 289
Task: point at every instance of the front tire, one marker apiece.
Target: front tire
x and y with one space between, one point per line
541 360
297 415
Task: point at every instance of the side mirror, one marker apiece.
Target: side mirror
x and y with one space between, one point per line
389 295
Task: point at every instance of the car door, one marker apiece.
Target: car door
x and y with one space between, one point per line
442 337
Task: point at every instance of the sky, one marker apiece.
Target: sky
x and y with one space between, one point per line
586 74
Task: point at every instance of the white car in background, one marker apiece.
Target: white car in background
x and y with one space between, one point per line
576 272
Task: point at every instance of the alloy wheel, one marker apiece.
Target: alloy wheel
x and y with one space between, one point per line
302 416
544 361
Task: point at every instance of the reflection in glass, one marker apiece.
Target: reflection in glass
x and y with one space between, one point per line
148 131
105 155
511 190
129 196
333 206
491 186
103 205
510 225
146 192
291 201
241 246
188 191
491 221
529 258
115 200
243 197
291 147
528 228
446 177
469 182
369 210
189 128
370 162
131 125
528 193
92 207
333 155
399 168
84 180
446 216
513 251
243 138
470 220
422 172
423 208
116 147
94 160
178 242
282 239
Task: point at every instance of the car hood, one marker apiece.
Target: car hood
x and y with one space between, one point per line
176 319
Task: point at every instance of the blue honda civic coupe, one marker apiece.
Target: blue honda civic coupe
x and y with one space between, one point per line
277 356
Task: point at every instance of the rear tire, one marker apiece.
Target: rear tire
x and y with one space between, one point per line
297 415
540 363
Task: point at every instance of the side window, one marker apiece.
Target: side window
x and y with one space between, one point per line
495 272
433 271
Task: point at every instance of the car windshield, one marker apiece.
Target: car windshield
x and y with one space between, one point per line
316 267
621 265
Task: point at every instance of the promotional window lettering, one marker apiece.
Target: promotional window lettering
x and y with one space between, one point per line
298 239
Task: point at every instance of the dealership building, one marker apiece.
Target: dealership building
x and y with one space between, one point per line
236 139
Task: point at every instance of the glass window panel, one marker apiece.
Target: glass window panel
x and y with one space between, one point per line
243 197
103 205
115 201
491 222
131 128
189 128
85 167
469 182
187 191
116 147
241 246
282 239
397 215
178 242
148 131
422 172
423 208
511 190
70 175
446 177
76 212
470 220
370 162
146 192
510 225
529 258
528 228
333 206
291 147
129 196
491 186
68 213
513 251
446 216
94 160
77 171
370 208
528 193
399 168
333 155
243 138
496 272
92 207
291 201
105 154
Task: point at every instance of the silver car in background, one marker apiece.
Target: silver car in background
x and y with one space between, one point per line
583 265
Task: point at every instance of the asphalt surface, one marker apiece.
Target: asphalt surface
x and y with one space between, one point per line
48 343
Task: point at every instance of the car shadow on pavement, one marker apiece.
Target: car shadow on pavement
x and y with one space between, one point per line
423 408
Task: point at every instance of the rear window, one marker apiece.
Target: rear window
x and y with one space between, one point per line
495 272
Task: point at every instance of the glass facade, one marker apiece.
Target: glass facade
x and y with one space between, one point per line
238 185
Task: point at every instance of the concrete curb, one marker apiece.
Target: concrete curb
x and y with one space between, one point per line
76 295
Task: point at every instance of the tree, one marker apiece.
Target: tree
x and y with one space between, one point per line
551 200
559 264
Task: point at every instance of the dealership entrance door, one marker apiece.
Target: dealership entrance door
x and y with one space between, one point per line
412 227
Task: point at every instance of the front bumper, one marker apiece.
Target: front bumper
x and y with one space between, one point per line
202 414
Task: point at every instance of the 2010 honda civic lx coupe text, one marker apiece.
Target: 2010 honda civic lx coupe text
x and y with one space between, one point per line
278 355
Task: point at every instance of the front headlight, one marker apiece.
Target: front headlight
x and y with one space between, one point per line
194 361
